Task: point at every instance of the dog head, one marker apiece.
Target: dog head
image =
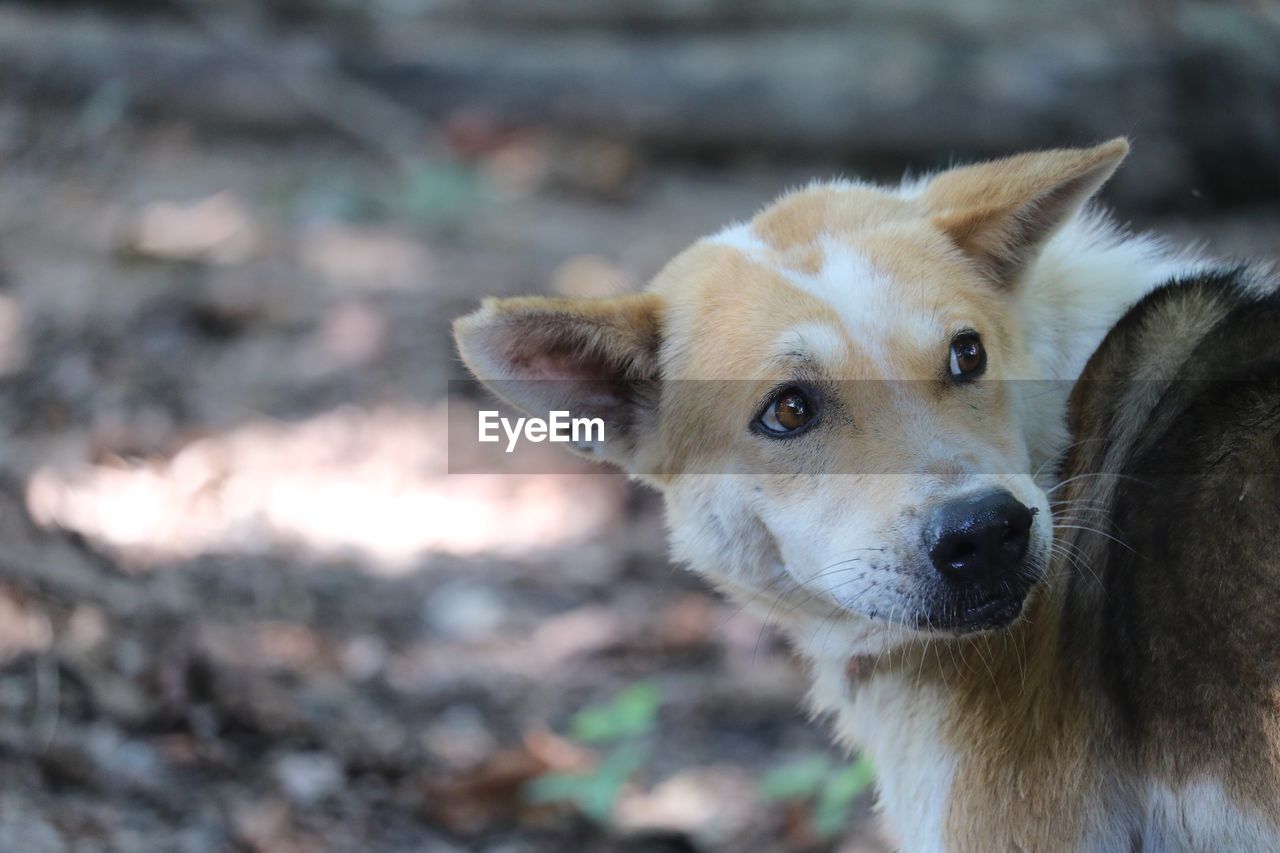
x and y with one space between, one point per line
828 396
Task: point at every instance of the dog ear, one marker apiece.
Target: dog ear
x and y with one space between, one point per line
1001 213
595 358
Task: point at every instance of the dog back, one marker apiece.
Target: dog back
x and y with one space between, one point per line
1172 502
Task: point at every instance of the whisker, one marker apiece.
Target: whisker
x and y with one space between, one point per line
1073 479
1102 533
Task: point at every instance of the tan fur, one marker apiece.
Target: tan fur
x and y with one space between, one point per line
800 218
999 215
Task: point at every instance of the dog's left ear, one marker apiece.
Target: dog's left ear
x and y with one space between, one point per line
595 358
1001 213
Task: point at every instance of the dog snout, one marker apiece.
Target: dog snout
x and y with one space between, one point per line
978 539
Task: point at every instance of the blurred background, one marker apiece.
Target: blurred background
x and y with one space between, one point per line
243 605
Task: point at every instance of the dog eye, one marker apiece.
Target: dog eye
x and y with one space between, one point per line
789 412
968 358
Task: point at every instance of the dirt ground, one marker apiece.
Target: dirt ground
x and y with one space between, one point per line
244 605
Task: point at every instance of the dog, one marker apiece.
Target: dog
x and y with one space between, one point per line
855 406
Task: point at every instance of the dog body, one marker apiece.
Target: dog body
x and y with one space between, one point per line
854 405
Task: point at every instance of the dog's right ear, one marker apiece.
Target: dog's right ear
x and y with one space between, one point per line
595 358
1001 213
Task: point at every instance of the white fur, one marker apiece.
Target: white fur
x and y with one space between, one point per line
862 296
897 724
1200 816
1086 276
741 236
819 340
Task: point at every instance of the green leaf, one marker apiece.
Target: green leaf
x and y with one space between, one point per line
555 786
594 794
632 712
438 191
796 781
831 814
607 782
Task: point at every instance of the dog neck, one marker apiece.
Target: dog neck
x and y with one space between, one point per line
989 742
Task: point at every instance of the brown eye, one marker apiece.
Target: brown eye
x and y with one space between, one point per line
968 358
790 411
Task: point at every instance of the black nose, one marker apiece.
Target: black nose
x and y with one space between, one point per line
979 538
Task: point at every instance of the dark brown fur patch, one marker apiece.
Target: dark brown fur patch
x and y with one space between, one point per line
1190 625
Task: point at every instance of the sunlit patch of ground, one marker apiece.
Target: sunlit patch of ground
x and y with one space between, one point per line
372 482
